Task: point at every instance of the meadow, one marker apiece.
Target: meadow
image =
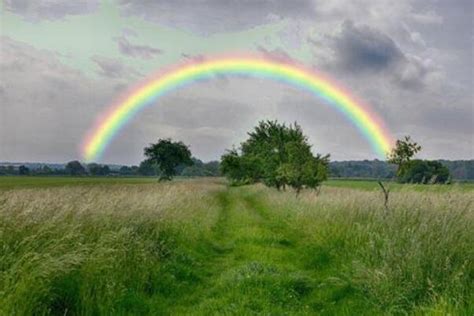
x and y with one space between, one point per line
132 246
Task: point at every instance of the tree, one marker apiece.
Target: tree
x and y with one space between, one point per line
147 168
416 171
98 170
75 168
277 155
424 172
45 170
302 169
404 150
167 155
125 171
23 170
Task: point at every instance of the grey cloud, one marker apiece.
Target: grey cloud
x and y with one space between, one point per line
275 54
35 10
113 68
364 48
193 58
360 49
215 16
140 51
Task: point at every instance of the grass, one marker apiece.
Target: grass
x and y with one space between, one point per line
200 247
14 182
372 185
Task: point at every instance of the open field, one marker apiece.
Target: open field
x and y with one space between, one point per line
15 182
120 246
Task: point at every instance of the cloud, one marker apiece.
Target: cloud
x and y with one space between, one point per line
363 50
46 106
140 51
275 54
50 9
360 48
217 16
113 68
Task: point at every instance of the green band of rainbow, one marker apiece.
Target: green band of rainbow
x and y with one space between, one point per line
366 121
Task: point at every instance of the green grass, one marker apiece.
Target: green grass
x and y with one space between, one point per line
202 248
14 182
11 182
372 185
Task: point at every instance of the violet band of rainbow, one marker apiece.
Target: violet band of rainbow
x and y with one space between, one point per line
367 122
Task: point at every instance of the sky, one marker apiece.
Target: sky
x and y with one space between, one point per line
62 63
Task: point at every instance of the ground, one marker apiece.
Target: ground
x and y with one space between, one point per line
134 246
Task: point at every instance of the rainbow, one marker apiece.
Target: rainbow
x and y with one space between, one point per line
119 114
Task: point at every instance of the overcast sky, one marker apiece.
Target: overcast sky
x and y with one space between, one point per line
63 62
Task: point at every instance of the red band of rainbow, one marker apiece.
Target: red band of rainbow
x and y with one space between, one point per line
366 121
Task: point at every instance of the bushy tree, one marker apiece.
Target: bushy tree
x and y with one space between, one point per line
23 170
425 172
75 168
200 169
167 155
98 170
277 155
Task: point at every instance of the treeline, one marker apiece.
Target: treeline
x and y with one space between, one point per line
376 169
76 168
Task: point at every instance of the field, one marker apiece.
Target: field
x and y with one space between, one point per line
114 246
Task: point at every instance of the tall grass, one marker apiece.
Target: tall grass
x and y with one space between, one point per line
144 248
94 250
417 258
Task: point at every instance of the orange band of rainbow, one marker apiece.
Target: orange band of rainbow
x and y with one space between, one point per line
366 121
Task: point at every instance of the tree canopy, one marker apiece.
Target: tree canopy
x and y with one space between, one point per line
75 168
166 155
278 156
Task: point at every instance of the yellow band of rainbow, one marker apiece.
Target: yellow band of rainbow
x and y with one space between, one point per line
366 121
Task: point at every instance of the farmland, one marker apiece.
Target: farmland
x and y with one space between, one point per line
81 246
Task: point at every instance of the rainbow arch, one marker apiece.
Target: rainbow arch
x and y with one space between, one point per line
120 113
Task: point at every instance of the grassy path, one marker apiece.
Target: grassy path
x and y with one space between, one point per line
199 247
257 264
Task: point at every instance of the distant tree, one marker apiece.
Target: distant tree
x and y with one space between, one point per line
147 168
424 172
45 170
200 169
94 169
404 150
134 170
125 171
416 171
105 170
167 155
11 170
75 168
23 170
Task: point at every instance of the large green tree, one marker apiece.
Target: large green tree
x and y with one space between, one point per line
276 155
167 155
